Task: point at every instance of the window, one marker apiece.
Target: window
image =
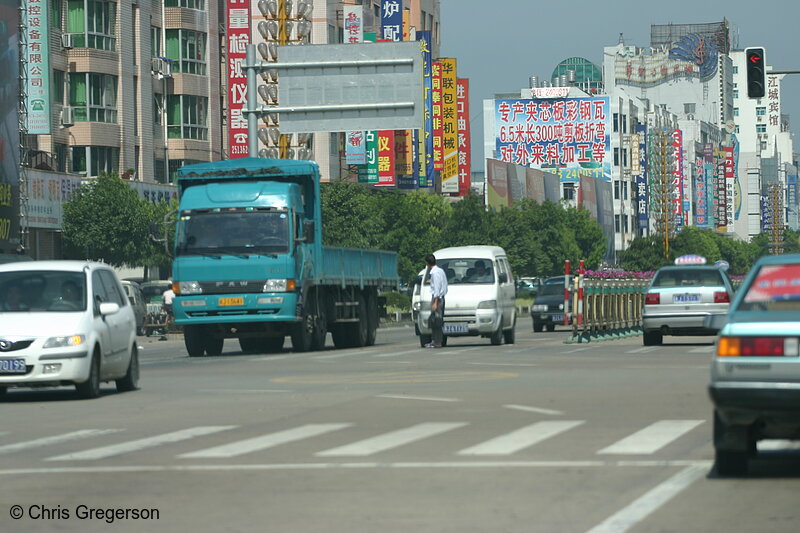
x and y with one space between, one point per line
616 157
761 111
187 117
187 49
58 86
761 128
92 160
93 23
689 108
625 191
615 122
93 97
735 111
736 93
155 41
200 5
55 15
625 157
616 190
616 223
624 123
735 69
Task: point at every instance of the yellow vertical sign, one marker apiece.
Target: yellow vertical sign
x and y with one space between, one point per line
449 126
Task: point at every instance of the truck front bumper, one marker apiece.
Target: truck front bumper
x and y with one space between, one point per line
233 308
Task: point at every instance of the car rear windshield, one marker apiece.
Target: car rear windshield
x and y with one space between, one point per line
774 288
41 290
688 278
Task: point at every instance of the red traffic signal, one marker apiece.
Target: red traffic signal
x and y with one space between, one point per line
756 72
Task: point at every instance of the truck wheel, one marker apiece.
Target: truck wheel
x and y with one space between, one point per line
195 340
214 345
319 331
250 344
341 337
497 336
272 344
509 335
361 328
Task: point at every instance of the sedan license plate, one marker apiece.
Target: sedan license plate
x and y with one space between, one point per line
457 327
558 318
12 366
685 298
227 302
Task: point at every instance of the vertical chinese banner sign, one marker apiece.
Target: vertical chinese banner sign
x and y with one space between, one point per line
449 126
368 172
391 30
36 21
355 152
426 137
238 39
464 153
9 122
386 158
700 194
438 133
730 178
708 177
677 176
642 194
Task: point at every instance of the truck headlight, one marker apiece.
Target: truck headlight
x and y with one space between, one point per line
189 287
540 308
278 285
60 342
488 304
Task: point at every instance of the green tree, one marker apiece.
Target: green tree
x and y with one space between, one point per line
157 215
588 235
698 241
350 215
643 254
105 220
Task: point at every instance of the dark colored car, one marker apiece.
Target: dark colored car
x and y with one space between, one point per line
548 309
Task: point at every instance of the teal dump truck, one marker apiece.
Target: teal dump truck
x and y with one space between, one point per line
249 262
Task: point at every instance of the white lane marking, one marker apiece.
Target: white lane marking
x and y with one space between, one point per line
243 391
429 398
390 362
540 410
503 364
637 510
404 352
643 350
345 354
234 449
576 350
521 438
393 439
274 357
46 441
776 444
706 465
139 444
652 438
705 349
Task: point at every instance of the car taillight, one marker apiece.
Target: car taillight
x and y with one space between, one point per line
652 298
722 297
757 346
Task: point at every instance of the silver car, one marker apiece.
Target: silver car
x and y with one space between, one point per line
755 372
680 298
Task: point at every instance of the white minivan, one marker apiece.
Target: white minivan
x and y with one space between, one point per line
480 296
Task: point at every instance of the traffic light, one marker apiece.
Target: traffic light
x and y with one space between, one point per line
756 72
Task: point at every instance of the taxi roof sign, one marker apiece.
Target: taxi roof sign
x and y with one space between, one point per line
690 259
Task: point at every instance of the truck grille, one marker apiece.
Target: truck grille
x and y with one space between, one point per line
232 287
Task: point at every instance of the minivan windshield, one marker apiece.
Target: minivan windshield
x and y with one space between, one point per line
467 271
42 290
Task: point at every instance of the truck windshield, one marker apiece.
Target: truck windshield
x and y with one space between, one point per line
234 231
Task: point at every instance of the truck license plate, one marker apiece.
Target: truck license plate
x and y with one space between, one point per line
457 327
12 366
227 302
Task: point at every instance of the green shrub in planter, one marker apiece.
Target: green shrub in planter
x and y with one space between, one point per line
397 300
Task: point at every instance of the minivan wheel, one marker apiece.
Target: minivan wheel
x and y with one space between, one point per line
131 379
91 387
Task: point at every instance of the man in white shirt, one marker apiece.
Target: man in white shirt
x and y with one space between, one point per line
167 297
438 279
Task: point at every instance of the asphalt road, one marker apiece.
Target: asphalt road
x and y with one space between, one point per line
539 436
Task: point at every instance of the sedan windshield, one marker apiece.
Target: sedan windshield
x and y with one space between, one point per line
40 290
236 231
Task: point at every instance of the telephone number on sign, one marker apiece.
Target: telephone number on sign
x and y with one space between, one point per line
5 228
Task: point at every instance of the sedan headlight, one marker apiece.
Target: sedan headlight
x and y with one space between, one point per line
488 304
189 287
278 285
540 308
61 342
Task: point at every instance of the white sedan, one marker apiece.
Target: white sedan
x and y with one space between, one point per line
65 323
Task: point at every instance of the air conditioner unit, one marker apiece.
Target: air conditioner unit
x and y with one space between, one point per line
67 118
161 67
67 41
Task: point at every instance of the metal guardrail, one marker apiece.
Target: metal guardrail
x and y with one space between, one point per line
606 309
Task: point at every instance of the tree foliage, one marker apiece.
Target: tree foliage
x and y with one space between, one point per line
105 220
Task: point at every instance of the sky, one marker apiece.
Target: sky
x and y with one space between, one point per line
499 44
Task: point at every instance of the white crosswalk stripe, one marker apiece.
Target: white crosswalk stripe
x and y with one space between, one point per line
234 449
392 439
55 439
652 438
521 438
140 444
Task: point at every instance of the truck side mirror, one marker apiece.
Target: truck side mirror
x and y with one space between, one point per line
308 231
503 277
